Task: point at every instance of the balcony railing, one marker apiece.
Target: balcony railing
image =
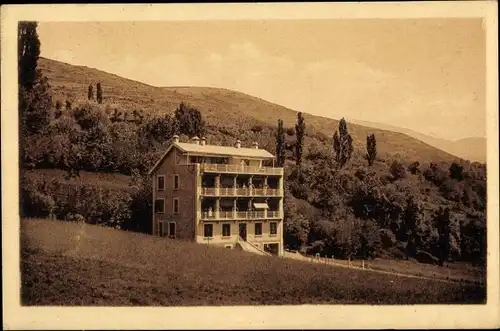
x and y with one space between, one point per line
240 215
248 192
234 168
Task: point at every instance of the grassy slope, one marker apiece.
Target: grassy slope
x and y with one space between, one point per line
221 107
109 180
89 265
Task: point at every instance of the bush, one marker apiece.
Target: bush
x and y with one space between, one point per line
397 170
387 238
290 131
414 168
37 204
425 257
257 128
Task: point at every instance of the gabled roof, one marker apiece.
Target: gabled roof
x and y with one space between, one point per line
215 150
227 151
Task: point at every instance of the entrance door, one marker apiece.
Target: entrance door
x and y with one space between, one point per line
243 231
171 229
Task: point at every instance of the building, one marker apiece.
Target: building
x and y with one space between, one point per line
228 196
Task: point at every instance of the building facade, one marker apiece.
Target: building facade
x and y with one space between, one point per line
228 196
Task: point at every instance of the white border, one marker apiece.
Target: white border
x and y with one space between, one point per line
432 316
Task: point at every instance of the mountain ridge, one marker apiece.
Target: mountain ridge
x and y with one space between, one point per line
469 148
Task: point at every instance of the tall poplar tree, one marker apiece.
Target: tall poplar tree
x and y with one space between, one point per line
300 129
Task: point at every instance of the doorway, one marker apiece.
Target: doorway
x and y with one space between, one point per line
171 230
243 231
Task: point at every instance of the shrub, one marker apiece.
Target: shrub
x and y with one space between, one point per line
414 168
387 238
38 204
397 170
257 128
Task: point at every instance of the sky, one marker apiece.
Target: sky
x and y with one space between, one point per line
428 75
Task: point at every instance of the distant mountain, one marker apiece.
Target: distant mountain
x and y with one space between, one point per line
222 108
472 149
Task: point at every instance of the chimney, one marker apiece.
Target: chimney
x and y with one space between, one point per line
203 141
176 139
238 143
255 145
196 140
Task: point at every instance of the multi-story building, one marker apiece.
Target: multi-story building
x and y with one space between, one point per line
219 195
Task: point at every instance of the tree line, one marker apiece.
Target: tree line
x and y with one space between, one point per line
356 211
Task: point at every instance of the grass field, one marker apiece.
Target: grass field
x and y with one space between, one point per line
77 264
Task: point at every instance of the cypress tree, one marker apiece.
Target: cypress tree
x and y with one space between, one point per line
300 129
371 149
91 92
342 144
99 93
280 144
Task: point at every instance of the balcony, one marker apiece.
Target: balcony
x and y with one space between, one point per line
232 168
240 192
241 215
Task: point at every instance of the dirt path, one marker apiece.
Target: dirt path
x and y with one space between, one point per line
300 257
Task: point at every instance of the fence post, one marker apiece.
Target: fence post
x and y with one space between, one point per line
333 259
363 264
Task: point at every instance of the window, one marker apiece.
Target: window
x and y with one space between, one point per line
208 230
160 206
176 182
161 182
226 230
258 229
171 229
176 205
273 228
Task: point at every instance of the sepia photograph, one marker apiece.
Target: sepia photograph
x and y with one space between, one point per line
251 161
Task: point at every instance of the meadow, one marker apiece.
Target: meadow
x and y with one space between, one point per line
78 264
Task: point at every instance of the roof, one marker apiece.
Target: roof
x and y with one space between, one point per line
215 150
225 151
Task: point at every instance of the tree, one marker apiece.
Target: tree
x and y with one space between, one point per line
371 149
35 106
296 226
190 121
442 221
412 217
456 171
342 144
280 142
90 95
300 129
35 98
28 53
99 93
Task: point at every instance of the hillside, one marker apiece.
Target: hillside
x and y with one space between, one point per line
220 107
473 149
91 265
